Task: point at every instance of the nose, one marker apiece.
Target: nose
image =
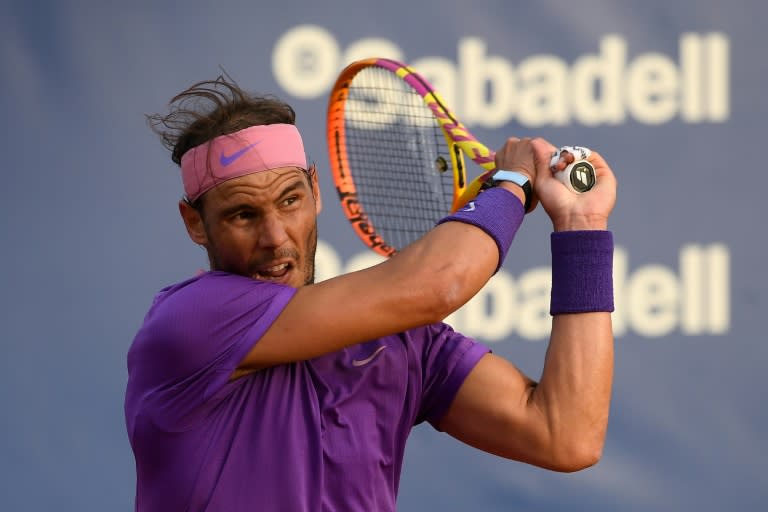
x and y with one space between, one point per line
272 232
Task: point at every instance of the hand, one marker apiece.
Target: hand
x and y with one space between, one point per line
519 155
569 211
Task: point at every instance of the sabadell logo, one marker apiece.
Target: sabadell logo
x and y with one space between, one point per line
608 85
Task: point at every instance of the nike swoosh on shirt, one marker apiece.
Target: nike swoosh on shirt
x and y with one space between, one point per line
363 362
226 160
470 207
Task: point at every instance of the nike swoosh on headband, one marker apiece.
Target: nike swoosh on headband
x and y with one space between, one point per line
226 160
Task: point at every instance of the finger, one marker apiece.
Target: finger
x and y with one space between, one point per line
502 153
601 166
560 165
542 150
543 145
567 157
604 177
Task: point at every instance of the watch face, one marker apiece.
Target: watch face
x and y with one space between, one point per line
582 177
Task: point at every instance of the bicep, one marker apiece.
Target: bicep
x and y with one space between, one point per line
493 412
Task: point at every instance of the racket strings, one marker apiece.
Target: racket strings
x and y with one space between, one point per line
398 157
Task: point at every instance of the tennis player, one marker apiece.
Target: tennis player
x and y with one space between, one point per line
252 388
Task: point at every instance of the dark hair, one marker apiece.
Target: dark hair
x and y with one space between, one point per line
212 108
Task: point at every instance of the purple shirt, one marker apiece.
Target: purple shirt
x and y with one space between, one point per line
324 434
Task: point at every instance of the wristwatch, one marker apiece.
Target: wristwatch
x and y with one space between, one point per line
515 177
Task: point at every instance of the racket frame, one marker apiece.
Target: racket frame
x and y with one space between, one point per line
459 139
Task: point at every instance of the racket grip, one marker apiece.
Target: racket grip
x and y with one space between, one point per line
578 177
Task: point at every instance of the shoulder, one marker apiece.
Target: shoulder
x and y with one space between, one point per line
212 318
211 306
218 291
442 348
430 336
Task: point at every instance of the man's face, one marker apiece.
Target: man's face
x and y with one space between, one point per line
262 225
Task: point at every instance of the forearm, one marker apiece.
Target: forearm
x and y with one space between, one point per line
459 256
573 395
574 391
439 273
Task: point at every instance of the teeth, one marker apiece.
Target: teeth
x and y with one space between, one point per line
273 272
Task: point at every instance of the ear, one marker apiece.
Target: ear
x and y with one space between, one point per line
194 223
316 191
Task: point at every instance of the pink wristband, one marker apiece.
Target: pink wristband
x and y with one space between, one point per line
582 272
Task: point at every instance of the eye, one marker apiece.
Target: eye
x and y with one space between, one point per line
288 201
244 215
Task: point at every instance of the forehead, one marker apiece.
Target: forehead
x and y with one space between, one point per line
258 187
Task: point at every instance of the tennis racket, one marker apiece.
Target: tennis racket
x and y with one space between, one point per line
397 154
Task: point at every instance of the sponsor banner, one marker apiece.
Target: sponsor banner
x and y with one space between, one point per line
608 86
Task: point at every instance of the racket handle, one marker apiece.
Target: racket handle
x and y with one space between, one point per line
578 177
471 190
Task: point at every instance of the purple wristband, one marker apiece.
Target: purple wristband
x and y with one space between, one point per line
582 272
496 211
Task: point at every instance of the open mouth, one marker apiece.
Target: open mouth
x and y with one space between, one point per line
273 273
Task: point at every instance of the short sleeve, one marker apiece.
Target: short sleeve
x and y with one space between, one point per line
447 359
193 338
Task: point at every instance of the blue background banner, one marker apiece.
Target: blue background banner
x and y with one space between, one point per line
671 93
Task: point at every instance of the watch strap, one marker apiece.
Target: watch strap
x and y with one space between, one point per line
517 178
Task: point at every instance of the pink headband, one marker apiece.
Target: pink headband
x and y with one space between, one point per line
255 149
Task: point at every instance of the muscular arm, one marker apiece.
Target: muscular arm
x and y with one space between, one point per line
560 422
422 284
